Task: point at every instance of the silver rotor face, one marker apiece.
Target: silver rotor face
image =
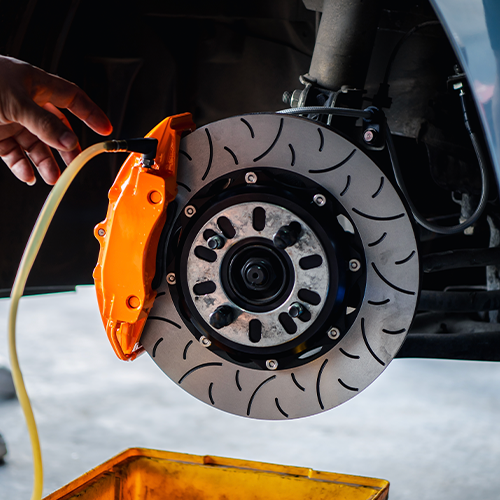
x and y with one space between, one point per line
271 330
351 347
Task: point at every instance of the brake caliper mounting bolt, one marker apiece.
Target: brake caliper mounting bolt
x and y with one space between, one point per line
216 242
334 333
354 265
101 232
221 317
189 211
319 199
271 364
250 177
205 342
287 236
296 309
171 278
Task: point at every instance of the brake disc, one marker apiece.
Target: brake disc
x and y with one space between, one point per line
291 269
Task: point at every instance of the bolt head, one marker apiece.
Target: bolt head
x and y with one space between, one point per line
334 333
354 265
296 309
319 199
250 177
205 342
189 211
271 364
368 136
171 278
215 242
101 232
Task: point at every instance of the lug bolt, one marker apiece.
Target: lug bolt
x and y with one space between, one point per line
334 333
189 211
250 177
171 278
205 342
296 309
287 236
354 265
221 317
319 199
216 242
271 364
101 232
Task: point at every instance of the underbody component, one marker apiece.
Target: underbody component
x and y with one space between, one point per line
136 216
292 271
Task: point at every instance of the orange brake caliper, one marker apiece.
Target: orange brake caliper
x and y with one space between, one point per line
130 234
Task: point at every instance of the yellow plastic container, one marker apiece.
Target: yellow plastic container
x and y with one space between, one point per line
141 474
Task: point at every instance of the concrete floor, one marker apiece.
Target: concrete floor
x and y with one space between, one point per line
430 427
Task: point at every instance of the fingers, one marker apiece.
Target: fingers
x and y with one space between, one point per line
67 95
16 160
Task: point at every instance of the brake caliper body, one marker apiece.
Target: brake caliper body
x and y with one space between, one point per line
130 234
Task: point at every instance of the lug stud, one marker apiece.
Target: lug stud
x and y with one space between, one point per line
287 236
296 309
221 317
216 242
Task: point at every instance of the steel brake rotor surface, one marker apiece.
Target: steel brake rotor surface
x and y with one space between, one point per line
291 271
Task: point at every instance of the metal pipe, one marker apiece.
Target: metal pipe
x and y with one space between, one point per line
344 43
457 259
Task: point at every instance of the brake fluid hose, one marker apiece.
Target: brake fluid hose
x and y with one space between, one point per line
145 146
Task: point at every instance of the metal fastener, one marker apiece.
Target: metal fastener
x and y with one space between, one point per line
319 199
334 333
171 278
296 309
101 232
216 242
250 177
369 135
271 364
205 342
190 211
354 265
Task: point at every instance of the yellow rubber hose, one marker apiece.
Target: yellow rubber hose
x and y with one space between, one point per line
30 253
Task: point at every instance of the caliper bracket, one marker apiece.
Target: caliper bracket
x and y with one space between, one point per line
130 234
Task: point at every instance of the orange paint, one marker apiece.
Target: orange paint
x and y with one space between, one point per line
130 234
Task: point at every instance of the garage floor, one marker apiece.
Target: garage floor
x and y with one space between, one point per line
430 427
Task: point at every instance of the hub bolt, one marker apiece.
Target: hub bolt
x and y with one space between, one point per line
250 177
189 211
216 242
354 265
287 236
334 333
171 278
205 342
271 364
221 317
319 199
296 309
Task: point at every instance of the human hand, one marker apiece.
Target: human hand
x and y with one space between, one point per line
30 120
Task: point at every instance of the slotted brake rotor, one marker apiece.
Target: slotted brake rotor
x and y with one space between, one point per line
291 273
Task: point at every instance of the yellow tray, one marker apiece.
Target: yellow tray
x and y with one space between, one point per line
141 474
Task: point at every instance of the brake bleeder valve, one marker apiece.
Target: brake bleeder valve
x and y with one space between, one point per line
129 235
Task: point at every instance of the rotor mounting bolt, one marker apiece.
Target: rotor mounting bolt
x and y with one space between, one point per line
354 265
221 317
287 236
205 342
189 211
250 177
319 199
216 242
101 232
334 333
171 278
296 309
271 364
